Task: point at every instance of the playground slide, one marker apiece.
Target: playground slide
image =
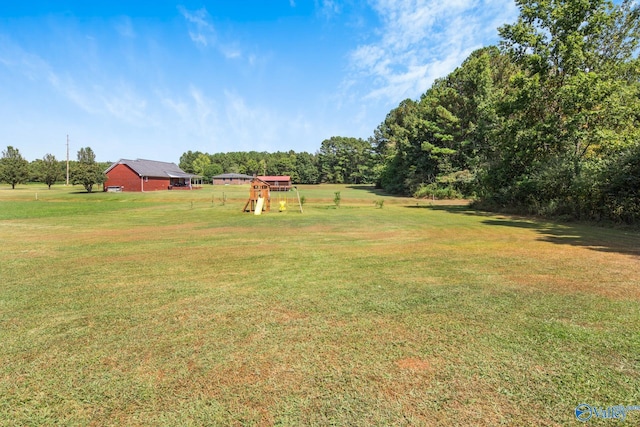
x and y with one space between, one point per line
259 205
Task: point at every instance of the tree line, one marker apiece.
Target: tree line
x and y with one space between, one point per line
85 171
548 122
339 160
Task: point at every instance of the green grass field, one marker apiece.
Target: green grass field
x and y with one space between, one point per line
174 308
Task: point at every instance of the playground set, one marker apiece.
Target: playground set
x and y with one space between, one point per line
260 197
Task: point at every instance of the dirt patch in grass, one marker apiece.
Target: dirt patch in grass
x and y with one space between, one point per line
562 285
415 364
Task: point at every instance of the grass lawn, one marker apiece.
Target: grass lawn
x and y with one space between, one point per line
176 308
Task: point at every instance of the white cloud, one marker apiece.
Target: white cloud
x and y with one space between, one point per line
231 123
125 104
249 126
95 94
68 88
421 40
231 51
200 30
124 27
328 8
194 114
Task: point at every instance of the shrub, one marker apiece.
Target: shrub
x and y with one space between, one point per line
433 191
336 199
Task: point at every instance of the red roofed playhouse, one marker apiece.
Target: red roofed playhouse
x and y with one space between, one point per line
146 175
277 183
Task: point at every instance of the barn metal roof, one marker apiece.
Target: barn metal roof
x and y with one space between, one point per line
153 168
233 175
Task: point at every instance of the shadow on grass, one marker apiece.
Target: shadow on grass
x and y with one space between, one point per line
586 235
369 188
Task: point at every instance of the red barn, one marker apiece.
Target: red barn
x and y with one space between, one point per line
146 175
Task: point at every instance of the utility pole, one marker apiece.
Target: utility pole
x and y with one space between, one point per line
67 161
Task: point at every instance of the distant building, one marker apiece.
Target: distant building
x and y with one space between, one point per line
231 179
147 175
277 183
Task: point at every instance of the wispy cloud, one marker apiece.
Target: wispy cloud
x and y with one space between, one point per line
202 32
97 95
125 104
421 40
233 123
124 27
193 112
200 29
328 8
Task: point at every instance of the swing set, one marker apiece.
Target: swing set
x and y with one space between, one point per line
260 198
284 200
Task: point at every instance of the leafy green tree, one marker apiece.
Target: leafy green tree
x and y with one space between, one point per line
48 170
391 143
86 171
283 164
226 161
200 164
345 160
262 167
307 167
574 103
212 170
251 167
187 159
619 187
442 141
14 169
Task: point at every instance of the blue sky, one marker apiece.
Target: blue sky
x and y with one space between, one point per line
154 79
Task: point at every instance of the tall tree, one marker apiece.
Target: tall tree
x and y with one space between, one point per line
574 103
307 167
14 169
187 159
392 143
49 170
443 140
345 160
200 164
86 171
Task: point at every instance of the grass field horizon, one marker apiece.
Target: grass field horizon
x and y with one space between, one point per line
176 308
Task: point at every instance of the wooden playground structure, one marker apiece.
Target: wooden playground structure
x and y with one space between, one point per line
260 198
